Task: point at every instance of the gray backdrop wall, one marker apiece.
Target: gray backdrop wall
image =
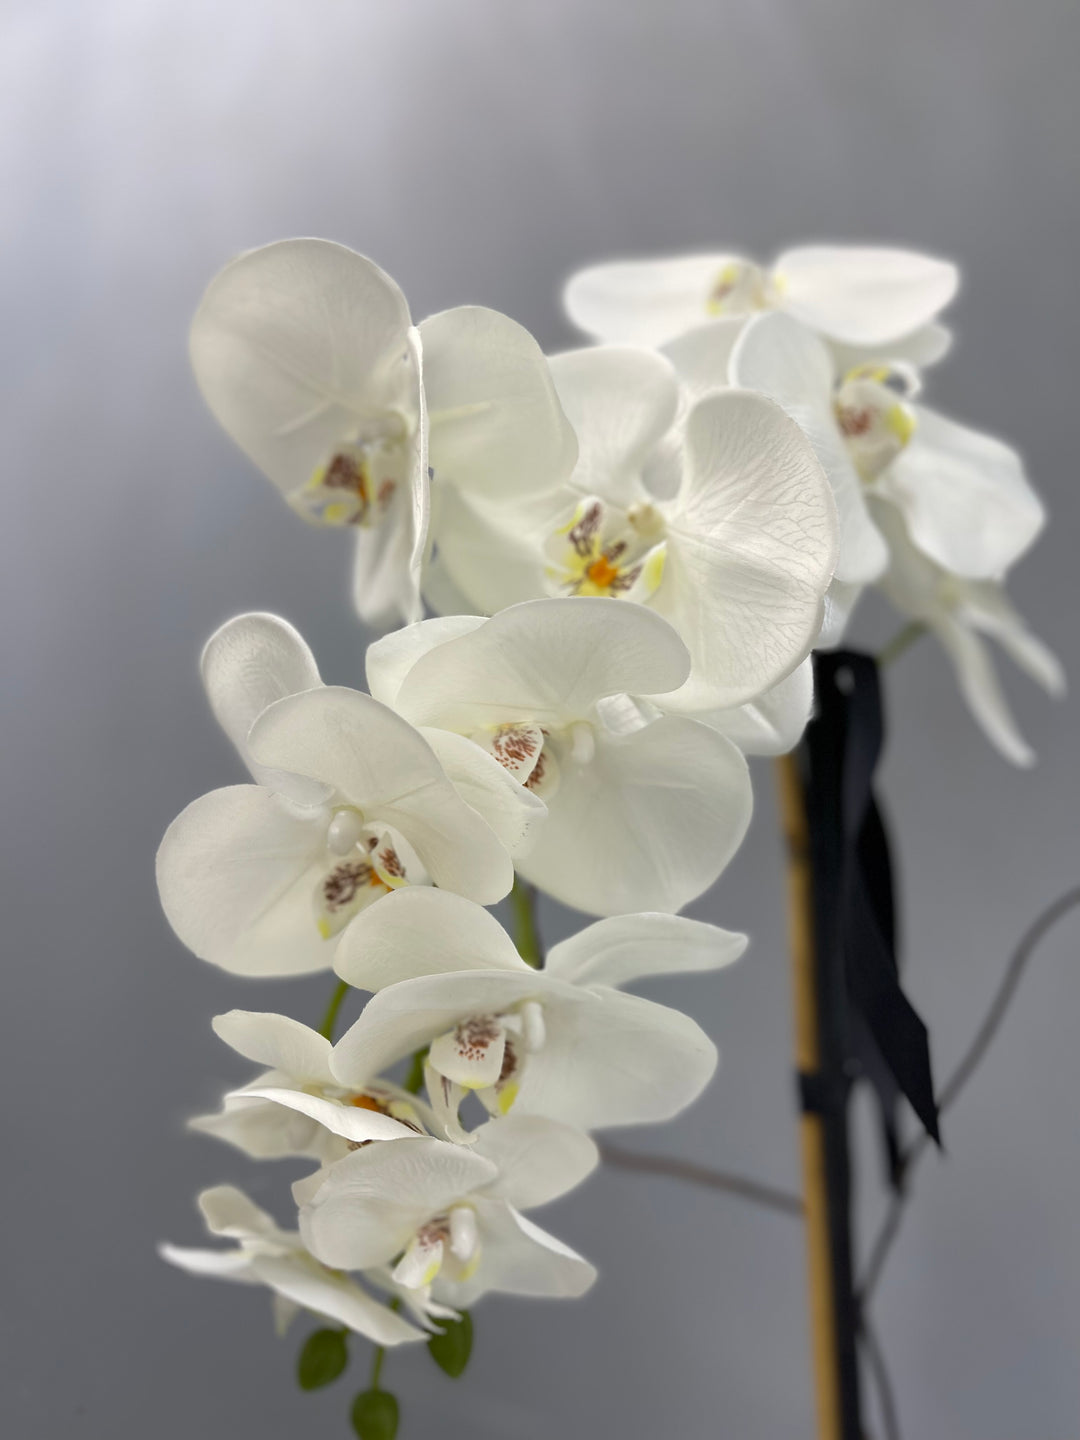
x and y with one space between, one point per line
479 150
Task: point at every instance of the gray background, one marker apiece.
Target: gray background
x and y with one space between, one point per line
479 150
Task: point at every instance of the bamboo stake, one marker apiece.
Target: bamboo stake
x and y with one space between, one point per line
822 1300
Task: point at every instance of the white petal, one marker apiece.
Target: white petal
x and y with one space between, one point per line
214 1264
421 931
236 872
228 1211
787 362
260 1129
538 1159
702 357
546 660
624 948
649 823
617 1060
982 691
509 808
390 659
372 1202
385 590
774 723
409 1015
297 343
351 1122
390 553
276 1041
964 495
751 549
864 295
518 1258
620 402
493 555
247 664
388 771
990 611
496 426
335 1298
840 602
644 302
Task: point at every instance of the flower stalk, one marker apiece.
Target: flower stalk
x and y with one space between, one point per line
526 930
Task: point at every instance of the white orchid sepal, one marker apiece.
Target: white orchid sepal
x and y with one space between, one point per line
267 1255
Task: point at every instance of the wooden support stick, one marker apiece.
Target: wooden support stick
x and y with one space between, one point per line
823 1310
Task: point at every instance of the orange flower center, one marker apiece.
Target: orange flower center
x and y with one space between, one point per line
602 573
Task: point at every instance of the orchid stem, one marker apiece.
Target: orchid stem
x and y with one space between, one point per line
414 1080
526 931
901 641
326 1029
376 1366
380 1352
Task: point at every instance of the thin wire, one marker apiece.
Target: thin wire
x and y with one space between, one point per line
879 1372
753 1190
950 1091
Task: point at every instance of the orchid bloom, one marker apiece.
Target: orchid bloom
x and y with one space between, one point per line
267 1255
855 296
296 1106
562 1042
964 614
717 515
445 1220
351 803
646 817
307 355
965 499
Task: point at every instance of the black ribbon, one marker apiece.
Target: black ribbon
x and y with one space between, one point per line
869 1028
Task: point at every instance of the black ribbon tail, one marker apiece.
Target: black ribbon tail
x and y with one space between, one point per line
885 1039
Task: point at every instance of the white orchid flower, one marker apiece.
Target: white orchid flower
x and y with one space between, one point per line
719 518
648 818
562 1042
307 355
964 614
857 296
964 496
352 802
445 1219
296 1105
264 1254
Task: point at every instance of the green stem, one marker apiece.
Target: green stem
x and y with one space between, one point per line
414 1080
376 1366
330 1018
380 1353
901 641
526 933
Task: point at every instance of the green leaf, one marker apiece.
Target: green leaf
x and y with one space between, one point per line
375 1415
451 1349
323 1358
